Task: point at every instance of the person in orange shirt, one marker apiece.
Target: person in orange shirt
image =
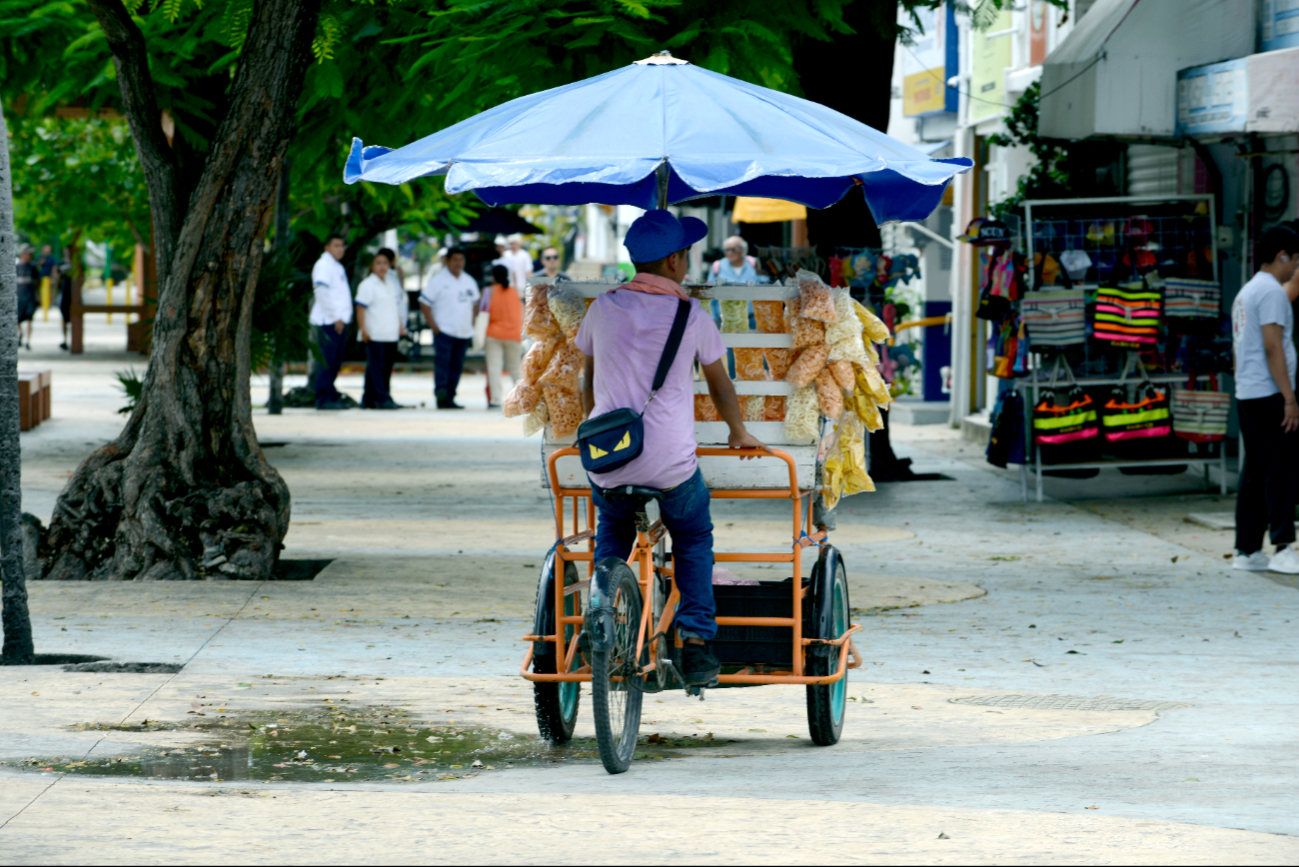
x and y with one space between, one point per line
504 332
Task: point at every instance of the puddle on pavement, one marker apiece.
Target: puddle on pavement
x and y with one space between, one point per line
348 745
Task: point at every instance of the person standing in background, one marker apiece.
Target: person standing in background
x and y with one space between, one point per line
519 262
331 312
49 266
28 275
504 332
550 267
737 267
65 299
1262 330
381 320
447 303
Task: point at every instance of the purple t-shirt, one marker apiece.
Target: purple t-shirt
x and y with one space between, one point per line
625 331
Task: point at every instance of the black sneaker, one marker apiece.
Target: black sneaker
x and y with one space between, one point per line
698 665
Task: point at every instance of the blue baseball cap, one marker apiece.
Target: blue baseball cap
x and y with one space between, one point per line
658 234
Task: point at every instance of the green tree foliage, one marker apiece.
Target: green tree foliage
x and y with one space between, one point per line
1049 175
79 178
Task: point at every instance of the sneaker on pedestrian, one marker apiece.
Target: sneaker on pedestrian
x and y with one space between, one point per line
1286 560
331 404
1256 562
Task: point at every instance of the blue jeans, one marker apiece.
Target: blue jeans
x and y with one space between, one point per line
331 347
685 513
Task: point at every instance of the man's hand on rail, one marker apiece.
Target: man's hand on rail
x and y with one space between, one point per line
746 440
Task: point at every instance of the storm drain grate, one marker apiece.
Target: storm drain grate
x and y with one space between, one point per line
1067 702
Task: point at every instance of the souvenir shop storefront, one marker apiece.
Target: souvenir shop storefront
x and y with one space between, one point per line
1106 331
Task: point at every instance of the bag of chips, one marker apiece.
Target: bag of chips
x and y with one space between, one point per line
774 408
807 332
705 409
564 407
850 349
567 307
779 361
815 301
870 379
842 371
538 322
521 400
748 365
848 324
770 317
534 363
735 317
873 326
829 396
753 407
802 415
536 419
565 367
808 365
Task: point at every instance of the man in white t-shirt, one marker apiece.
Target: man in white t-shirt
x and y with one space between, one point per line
448 303
517 260
331 311
1262 330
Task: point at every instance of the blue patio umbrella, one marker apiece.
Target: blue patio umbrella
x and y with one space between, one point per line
663 131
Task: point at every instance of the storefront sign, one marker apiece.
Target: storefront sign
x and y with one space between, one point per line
1212 99
1037 14
930 62
989 59
1280 25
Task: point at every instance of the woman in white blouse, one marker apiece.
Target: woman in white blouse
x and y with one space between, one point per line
381 308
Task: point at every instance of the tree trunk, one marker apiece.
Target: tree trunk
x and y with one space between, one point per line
854 77
185 491
15 619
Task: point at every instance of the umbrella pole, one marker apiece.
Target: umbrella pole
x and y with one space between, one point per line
661 174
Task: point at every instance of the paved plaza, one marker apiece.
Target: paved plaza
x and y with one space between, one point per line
1082 680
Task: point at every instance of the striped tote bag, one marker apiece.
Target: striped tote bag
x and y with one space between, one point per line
1055 316
1148 417
1127 316
1200 416
1188 298
1066 426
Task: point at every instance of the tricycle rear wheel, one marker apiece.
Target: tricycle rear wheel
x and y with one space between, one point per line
556 703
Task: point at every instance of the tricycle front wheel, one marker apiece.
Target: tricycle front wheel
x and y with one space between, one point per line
826 704
613 625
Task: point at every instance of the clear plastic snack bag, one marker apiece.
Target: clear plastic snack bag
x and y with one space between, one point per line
753 407
565 368
851 349
807 332
536 419
521 400
802 415
848 324
565 409
735 317
534 363
538 322
779 361
829 396
568 307
812 360
774 408
874 327
748 365
815 301
705 409
842 371
770 317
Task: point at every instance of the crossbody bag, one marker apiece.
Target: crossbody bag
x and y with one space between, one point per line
613 440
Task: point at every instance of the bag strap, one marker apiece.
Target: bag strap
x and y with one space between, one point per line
670 349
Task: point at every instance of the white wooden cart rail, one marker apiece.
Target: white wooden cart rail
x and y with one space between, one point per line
722 472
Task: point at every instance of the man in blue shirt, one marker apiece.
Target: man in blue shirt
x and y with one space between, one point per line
1262 329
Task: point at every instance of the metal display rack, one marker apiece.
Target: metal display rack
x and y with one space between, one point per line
1177 235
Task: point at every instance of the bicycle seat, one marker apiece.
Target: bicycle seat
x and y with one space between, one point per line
633 494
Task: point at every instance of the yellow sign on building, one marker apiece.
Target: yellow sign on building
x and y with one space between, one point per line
923 92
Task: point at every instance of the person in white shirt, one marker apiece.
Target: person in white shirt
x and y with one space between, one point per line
380 319
448 302
519 263
331 312
1262 331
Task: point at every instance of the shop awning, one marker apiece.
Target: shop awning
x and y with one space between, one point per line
1116 72
753 210
1258 93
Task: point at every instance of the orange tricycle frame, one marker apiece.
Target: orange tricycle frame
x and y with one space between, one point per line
568 514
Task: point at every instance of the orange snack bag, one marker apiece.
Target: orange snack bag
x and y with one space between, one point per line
829 395
705 409
534 363
774 407
779 361
565 367
808 332
748 365
770 317
815 300
565 408
843 374
809 364
538 321
521 400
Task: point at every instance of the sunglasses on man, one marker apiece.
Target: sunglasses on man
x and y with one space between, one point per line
549 257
